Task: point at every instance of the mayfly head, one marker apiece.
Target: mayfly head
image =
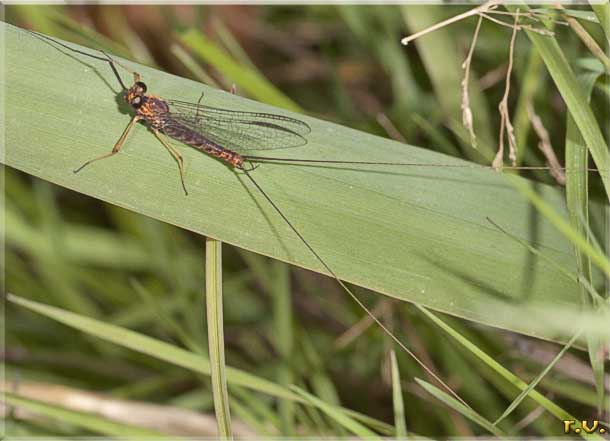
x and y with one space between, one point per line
136 94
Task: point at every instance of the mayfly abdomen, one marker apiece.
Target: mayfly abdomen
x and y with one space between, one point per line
198 141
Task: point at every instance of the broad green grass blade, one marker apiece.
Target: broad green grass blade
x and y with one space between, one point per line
418 234
83 420
216 341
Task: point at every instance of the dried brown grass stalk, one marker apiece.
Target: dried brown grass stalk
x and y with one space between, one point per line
168 420
467 119
506 126
545 146
485 10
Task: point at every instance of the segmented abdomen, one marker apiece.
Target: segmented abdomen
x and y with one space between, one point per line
196 140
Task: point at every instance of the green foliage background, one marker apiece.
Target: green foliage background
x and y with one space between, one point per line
285 325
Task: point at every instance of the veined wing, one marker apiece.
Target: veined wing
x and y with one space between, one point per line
241 131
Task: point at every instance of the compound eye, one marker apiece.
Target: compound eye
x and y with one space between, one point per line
141 86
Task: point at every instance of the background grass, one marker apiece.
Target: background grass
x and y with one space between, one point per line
417 234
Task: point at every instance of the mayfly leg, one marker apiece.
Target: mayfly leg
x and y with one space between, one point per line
136 76
117 146
233 91
177 156
109 60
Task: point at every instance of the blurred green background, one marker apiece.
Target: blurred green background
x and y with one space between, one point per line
340 63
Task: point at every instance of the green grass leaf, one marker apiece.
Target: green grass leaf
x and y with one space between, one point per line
399 406
216 340
283 327
418 234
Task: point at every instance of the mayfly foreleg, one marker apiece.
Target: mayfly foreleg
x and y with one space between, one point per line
117 146
177 156
109 60
112 62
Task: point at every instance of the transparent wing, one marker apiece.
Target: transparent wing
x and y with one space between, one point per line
240 131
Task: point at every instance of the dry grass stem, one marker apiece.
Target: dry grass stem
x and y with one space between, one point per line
545 146
467 119
589 41
475 11
505 124
164 419
532 15
483 10
526 27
